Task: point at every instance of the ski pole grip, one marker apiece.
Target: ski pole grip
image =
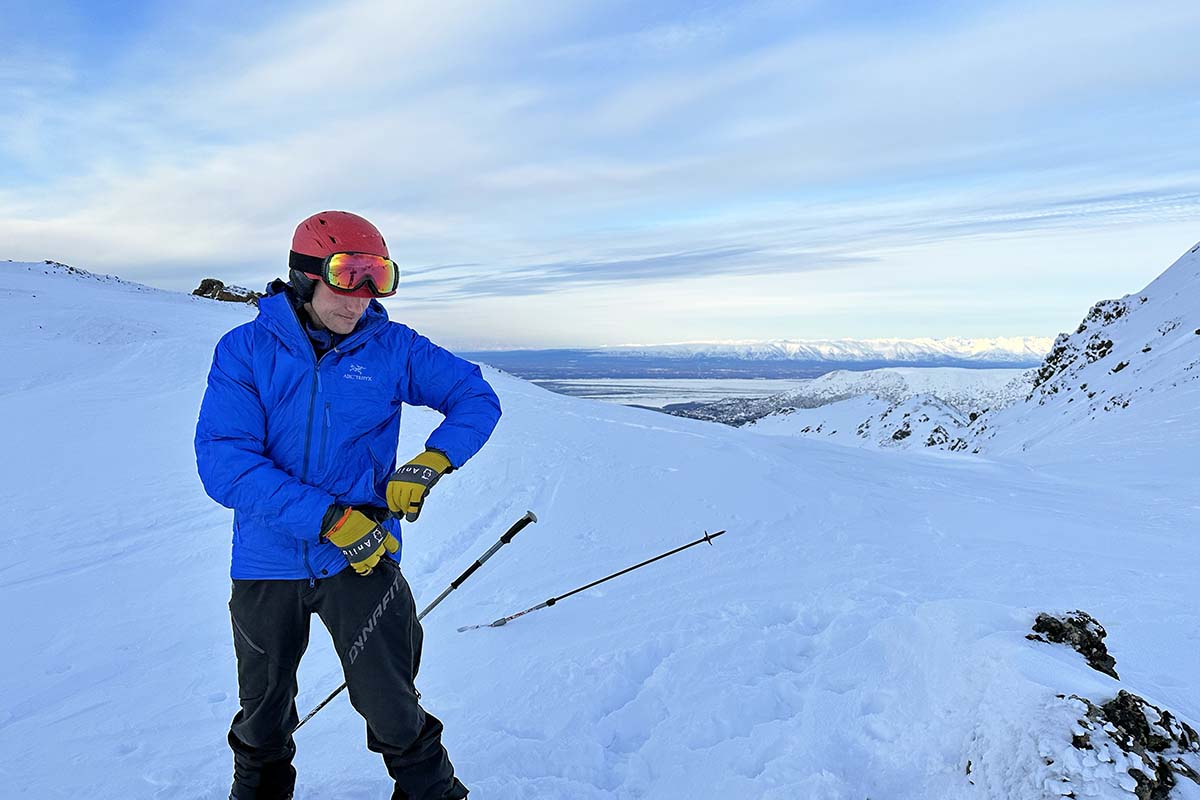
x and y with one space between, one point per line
518 526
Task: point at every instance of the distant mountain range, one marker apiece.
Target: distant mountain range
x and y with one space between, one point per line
782 358
1023 349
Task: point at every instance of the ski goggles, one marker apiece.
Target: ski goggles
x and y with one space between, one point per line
356 274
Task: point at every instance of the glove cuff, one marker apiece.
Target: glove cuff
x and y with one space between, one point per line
449 467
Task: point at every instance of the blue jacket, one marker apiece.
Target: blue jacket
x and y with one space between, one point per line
282 436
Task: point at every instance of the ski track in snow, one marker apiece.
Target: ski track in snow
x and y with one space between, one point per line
859 632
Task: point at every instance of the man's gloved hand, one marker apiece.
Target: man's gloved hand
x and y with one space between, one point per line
408 486
361 539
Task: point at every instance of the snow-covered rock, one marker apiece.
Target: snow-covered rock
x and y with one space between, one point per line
894 407
215 289
918 421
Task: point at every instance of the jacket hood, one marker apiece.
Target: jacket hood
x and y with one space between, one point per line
280 311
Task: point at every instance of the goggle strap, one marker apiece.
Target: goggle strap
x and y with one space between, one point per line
309 265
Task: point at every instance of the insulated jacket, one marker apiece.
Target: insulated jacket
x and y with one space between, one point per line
282 435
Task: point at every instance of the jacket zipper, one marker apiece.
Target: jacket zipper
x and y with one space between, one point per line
324 438
312 400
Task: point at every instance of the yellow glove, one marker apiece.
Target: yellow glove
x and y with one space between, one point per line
362 540
408 486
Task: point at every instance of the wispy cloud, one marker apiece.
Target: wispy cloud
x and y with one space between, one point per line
518 149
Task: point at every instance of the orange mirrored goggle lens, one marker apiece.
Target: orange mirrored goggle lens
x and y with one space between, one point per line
362 273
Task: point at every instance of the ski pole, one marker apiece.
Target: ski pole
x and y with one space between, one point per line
503 540
707 537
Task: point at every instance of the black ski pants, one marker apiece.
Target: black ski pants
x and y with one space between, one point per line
373 621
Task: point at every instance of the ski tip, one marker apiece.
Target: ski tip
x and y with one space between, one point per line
532 516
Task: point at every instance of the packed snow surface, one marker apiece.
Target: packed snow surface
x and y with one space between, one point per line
858 632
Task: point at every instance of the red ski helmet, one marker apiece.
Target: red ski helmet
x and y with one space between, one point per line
327 233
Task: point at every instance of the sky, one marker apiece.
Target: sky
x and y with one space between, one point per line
558 174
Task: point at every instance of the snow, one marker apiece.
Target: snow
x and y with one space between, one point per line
859 632
866 420
966 389
906 407
1124 385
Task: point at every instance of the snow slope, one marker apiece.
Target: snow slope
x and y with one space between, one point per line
917 421
1128 377
967 390
906 407
859 632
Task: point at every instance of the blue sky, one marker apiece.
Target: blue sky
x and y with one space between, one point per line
557 174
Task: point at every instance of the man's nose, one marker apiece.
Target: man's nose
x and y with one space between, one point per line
357 304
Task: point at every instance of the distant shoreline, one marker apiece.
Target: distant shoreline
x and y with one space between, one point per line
549 365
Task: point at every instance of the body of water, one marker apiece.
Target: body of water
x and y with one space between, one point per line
659 392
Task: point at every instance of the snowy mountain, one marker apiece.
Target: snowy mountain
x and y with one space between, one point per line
918 421
845 400
1131 370
1006 350
967 390
861 630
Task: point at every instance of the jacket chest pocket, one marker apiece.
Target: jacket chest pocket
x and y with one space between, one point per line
353 408
358 405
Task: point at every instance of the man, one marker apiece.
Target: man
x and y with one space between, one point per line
297 434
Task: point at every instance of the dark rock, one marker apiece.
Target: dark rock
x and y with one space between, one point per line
1098 349
1120 367
217 290
1082 632
938 437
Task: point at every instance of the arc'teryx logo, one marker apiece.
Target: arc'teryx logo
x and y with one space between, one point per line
361 640
357 372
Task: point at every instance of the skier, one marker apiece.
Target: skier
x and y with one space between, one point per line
297 434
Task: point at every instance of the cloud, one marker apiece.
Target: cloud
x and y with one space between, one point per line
515 149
